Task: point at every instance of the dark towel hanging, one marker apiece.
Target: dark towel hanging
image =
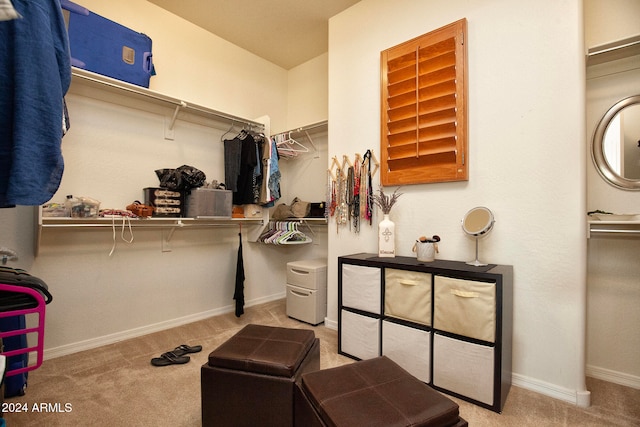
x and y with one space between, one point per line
238 294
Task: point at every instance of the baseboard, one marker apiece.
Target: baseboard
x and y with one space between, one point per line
331 324
615 377
575 397
52 353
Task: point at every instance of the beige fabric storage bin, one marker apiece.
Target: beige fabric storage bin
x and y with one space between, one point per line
465 307
463 367
361 288
408 347
360 335
407 295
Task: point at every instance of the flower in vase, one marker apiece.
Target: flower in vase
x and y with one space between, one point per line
385 202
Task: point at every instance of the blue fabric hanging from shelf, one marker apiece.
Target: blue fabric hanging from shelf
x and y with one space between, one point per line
35 73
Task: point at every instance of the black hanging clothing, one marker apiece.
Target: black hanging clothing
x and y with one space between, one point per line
232 162
238 294
250 173
249 160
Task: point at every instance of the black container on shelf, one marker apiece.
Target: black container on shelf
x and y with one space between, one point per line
166 203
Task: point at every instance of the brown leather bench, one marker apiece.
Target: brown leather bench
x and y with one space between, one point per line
370 393
250 379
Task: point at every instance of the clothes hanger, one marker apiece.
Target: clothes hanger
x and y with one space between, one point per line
335 164
346 161
289 143
233 124
243 133
292 235
373 161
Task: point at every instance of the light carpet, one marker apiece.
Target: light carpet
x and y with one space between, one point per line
116 385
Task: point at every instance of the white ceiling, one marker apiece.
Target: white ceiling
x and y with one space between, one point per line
285 32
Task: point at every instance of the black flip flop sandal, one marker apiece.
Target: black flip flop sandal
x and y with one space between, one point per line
169 358
186 349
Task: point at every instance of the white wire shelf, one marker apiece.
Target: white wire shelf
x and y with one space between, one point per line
169 224
138 92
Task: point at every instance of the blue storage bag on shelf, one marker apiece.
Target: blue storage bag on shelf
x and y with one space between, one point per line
105 47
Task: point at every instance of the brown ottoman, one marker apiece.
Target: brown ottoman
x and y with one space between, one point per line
250 379
374 392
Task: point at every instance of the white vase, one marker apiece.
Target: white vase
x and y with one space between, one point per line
386 238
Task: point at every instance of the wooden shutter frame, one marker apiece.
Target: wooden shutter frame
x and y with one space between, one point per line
435 159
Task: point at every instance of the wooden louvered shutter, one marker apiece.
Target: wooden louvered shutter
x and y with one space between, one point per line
424 108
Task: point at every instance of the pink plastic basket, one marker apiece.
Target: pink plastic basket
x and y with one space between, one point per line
39 309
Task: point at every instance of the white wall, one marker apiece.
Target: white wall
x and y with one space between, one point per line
613 340
304 178
527 161
197 66
307 92
306 174
522 109
609 21
111 152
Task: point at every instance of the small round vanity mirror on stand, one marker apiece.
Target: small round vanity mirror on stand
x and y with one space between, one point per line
476 223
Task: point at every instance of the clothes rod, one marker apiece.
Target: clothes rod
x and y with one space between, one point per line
118 224
306 128
313 126
613 231
612 47
227 117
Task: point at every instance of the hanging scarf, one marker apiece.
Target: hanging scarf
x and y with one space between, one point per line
238 294
355 217
368 213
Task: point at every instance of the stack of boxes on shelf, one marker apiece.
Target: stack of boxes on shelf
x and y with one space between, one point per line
197 203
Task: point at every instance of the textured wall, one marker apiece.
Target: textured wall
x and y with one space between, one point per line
527 161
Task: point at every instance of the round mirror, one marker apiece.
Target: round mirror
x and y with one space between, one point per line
616 144
477 222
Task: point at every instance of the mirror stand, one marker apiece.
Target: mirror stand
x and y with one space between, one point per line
477 223
477 262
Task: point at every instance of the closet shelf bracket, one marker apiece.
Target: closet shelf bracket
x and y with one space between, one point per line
175 114
87 79
179 224
169 132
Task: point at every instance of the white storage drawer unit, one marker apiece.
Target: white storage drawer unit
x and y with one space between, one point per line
407 295
308 274
446 322
408 347
307 290
307 305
